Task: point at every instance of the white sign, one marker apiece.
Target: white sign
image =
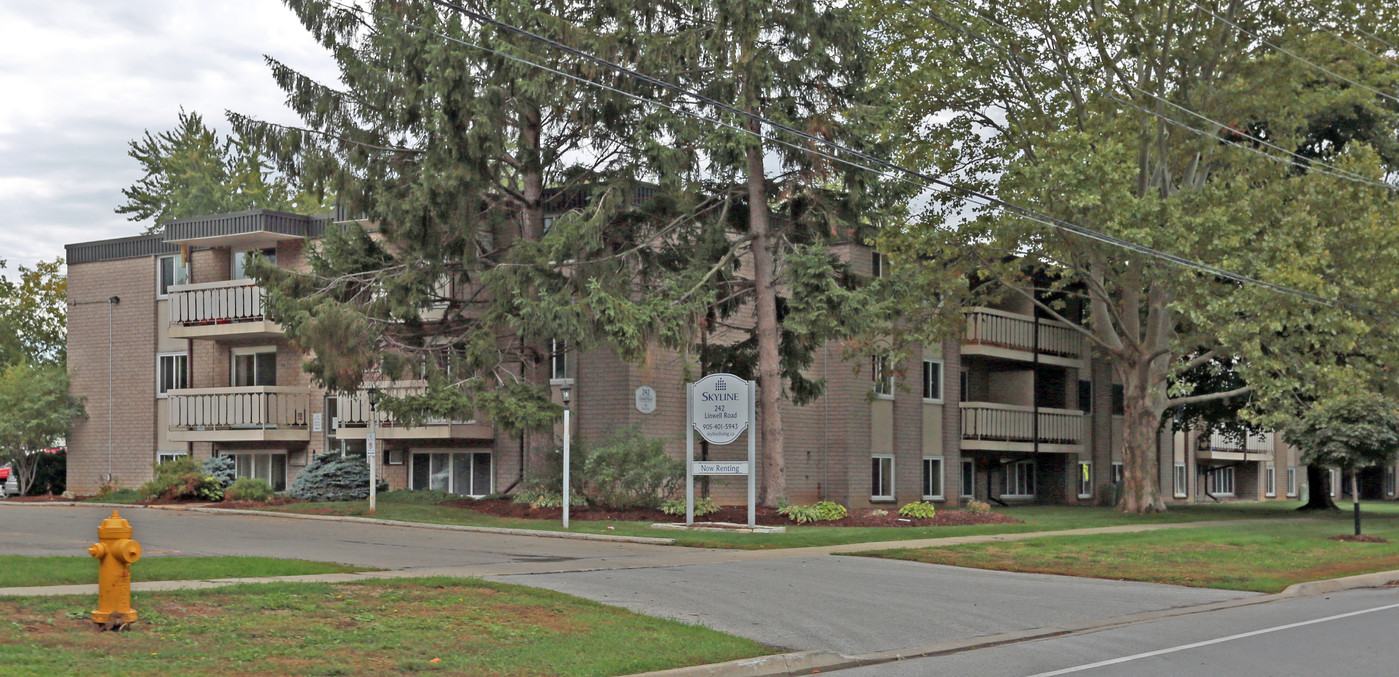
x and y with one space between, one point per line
721 467
646 399
316 423
369 440
719 407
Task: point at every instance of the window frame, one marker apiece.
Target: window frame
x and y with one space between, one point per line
451 469
940 477
161 392
1216 480
882 374
179 274
1021 482
558 353
968 471
1085 479
1119 473
1270 481
255 464
1292 481
932 385
1335 476
1180 481
878 267
235 353
1389 480
163 456
235 262
877 463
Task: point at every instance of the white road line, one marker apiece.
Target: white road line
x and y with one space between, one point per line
1185 647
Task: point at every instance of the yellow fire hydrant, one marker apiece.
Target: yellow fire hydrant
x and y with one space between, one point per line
115 551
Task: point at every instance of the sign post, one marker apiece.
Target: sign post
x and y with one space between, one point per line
720 407
370 456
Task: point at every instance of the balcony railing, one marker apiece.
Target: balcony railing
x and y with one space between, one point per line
983 421
354 411
998 328
247 408
222 302
1253 444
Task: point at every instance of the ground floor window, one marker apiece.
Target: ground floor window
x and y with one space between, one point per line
932 478
1291 481
968 478
270 467
1222 481
1117 476
882 478
1335 476
465 473
1019 480
1270 481
1085 479
1182 481
167 456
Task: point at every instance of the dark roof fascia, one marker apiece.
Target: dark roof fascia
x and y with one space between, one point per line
120 248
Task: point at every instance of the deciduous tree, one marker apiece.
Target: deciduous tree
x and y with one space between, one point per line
1350 432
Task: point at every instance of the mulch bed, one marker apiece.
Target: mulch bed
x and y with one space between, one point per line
504 507
1363 538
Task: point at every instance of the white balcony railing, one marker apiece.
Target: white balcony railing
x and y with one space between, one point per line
984 421
222 302
1253 444
354 411
247 408
991 327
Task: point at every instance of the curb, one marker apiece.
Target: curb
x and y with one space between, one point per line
645 540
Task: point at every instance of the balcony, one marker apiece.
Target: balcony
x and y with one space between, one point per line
226 309
997 333
1217 447
353 415
1005 427
248 414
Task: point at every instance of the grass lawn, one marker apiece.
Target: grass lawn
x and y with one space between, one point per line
18 571
1036 518
1264 557
439 626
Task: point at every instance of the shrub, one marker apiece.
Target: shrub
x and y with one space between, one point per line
922 510
222 469
547 498
703 506
822 511
977 507
629 471
418 497
182 478
117 495
249 489
332 477
50 474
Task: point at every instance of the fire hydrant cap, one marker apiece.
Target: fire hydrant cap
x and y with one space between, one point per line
114 527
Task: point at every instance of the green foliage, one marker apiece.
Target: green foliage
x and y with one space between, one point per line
627 470
821 511
703 506
976 507
35 410
33 314
250 489
222 468
332 477
543 497
417 497
923 510
181 479
1350 431
191 171
50 474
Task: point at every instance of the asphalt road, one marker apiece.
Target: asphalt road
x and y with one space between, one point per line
1348 633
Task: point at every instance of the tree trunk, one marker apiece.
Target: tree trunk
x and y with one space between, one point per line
1318 490
774 485
1141 423
537 362
1355 496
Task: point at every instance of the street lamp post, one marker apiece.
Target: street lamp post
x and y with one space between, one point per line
564 392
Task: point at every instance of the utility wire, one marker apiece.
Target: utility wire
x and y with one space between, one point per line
1312 164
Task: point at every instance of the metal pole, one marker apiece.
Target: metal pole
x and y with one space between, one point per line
689 454
752 454
111 306
371 454
565 465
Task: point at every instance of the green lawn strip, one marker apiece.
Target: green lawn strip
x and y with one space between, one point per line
1036 518
19 571
364 628
1262 557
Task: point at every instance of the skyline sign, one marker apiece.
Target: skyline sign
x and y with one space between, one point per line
719 407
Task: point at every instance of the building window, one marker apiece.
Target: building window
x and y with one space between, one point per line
172 372
1085 396
1117 475
932 381
963 384
883 376
1291 480
968 478
1222 481
1182 481
1019 480
170 270
878 264
1270 481
241 259
167 456
269 467
1119 400
559 367
1389 481
255 366
465 474
1335 476
882 478
932 478
1085 479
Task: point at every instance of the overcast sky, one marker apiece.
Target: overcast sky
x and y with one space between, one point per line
82 78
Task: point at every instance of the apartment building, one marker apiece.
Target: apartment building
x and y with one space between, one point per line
170 346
